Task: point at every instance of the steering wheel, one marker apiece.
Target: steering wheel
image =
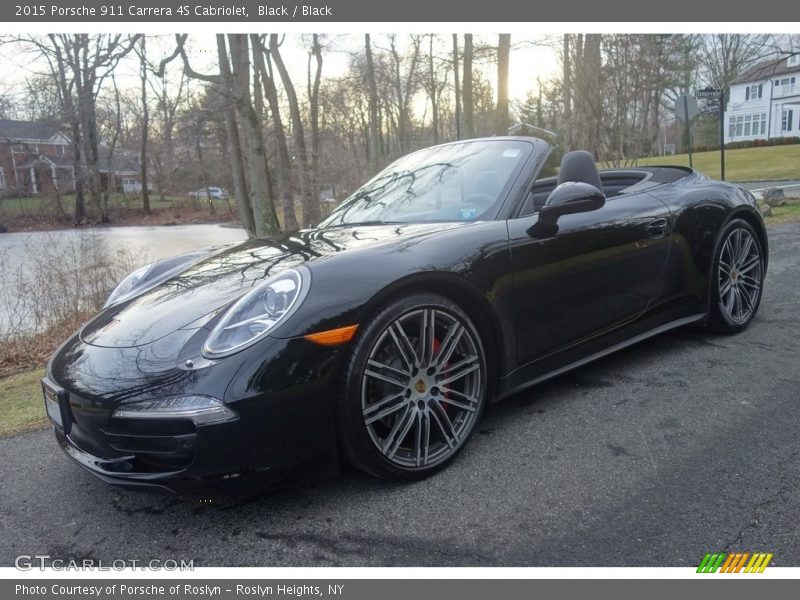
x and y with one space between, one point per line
481 200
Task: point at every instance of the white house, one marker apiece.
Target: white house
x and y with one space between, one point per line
764 103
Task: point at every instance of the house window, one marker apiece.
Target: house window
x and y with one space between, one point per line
785 81
754 92
61 149
747 125
17 148
787 117
763 125
793 60
2 179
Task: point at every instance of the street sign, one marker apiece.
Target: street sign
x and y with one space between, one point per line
711 106
686 107
709 93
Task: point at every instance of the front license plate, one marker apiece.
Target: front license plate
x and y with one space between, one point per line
52 404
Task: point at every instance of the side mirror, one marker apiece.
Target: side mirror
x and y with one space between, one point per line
568 198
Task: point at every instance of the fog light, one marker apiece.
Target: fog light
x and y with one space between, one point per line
202 410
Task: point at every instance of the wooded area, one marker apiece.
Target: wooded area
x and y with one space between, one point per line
285 141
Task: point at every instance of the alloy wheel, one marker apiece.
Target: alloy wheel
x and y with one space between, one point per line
740 275
422 388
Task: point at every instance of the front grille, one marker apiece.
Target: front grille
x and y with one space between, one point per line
156 444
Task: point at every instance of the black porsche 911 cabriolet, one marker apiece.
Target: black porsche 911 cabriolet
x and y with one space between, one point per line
453 278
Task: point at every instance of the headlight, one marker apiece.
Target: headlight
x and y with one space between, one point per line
149 276
257 313
203 410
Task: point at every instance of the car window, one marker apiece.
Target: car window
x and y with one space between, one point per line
454 182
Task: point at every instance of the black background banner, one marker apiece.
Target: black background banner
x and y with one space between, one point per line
360 11
731 587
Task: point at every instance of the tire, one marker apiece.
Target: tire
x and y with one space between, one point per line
393 399
737 278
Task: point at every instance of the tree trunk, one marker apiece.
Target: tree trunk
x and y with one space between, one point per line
433 93
310 199
284 175
265 218
145 129
313 101
503 57
373 108
469 113
456 86
234 143
567 94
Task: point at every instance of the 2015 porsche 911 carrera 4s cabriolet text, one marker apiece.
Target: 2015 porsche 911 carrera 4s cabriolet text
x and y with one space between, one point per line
453 278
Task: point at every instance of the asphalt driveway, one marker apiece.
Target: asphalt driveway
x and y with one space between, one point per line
684 444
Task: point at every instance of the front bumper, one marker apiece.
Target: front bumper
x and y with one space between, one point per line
109 470
283 393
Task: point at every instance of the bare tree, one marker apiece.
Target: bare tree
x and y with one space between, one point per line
469 113
310 197
503 58
284 172
315 53
724 56
456 87
143 162
80 63
567 91
255 155
223 83
373 106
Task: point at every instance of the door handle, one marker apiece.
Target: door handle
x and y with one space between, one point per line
658 228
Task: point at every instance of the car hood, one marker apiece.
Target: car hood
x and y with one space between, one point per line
190 299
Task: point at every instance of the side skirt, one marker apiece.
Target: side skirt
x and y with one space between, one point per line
601 353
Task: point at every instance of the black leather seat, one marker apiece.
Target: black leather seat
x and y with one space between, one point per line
579 165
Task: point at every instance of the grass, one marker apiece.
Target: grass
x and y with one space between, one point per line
787 213
745 164
21 403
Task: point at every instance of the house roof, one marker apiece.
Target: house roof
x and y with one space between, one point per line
26 130
766 70
123 161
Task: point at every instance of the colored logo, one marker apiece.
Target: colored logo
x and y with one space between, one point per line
743 562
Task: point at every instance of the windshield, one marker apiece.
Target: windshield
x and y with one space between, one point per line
455 182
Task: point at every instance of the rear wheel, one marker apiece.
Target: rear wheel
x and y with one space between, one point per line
737 278
415 388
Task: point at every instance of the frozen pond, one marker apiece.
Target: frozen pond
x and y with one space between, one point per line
141 244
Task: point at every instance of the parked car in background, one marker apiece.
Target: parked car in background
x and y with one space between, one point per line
210 193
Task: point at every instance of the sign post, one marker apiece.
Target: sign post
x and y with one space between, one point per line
716 102
686 110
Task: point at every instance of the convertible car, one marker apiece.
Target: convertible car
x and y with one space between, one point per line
455 277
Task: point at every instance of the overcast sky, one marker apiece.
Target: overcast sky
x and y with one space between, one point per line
531 57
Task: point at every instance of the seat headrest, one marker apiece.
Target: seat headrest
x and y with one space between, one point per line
579 165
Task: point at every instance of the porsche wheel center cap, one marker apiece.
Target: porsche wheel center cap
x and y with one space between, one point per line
734 275
420 386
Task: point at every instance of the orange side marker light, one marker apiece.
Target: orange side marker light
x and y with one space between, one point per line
333 337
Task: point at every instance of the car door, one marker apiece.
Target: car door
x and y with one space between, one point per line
599 270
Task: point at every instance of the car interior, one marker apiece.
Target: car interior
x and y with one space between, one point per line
580 166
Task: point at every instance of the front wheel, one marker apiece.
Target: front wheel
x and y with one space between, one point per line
415 388
737 278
